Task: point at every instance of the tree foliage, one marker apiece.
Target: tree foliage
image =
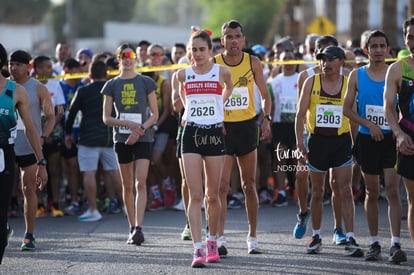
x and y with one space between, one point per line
255 16
23 11
180 13
89 16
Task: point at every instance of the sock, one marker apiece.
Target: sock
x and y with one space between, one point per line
395 240
375 239
156 192
197 245
212 238
316 232
349 235
282 193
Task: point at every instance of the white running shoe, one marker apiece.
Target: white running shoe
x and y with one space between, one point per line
179 206
253 245
89 216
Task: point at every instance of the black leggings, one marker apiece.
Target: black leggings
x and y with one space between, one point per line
7 178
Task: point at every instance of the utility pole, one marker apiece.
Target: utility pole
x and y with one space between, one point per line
292 25
69 27
410 8
359 18
389 21
331 10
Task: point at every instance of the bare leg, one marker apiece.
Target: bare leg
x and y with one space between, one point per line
409 186
392 184
318 186
127 177
224 190
141 173
29 188
371 202
247 166
193 173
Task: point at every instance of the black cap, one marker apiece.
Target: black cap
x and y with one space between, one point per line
70 63
143 42
331 52
20 56
112 62
359 51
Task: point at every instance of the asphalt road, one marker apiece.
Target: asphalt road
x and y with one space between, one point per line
66 246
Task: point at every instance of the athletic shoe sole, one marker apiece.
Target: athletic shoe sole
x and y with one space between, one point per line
355 252
198 264
186 237
316 249
255 251
373 258
28 248
89 219
398 257
214 259
25 248
338 242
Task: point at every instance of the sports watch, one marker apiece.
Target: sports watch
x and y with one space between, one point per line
268 117
42 162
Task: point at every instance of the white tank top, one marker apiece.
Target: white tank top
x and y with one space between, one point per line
203 94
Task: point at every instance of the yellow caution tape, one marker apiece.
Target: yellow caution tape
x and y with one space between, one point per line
115 72
180 66
298 62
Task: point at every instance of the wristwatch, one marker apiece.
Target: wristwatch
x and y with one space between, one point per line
42 162
268 117
143 129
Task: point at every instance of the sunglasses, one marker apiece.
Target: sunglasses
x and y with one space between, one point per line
156 54
130 55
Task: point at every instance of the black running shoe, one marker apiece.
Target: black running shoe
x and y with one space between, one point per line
137 236
374 252
314 245
352 248
397 255
280 201
221 243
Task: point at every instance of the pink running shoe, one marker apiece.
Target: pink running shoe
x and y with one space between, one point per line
212 252
198 260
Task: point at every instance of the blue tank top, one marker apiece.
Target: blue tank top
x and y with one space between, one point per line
370 101
7 114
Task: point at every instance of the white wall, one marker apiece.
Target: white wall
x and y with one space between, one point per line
116 33
374 15
23 37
